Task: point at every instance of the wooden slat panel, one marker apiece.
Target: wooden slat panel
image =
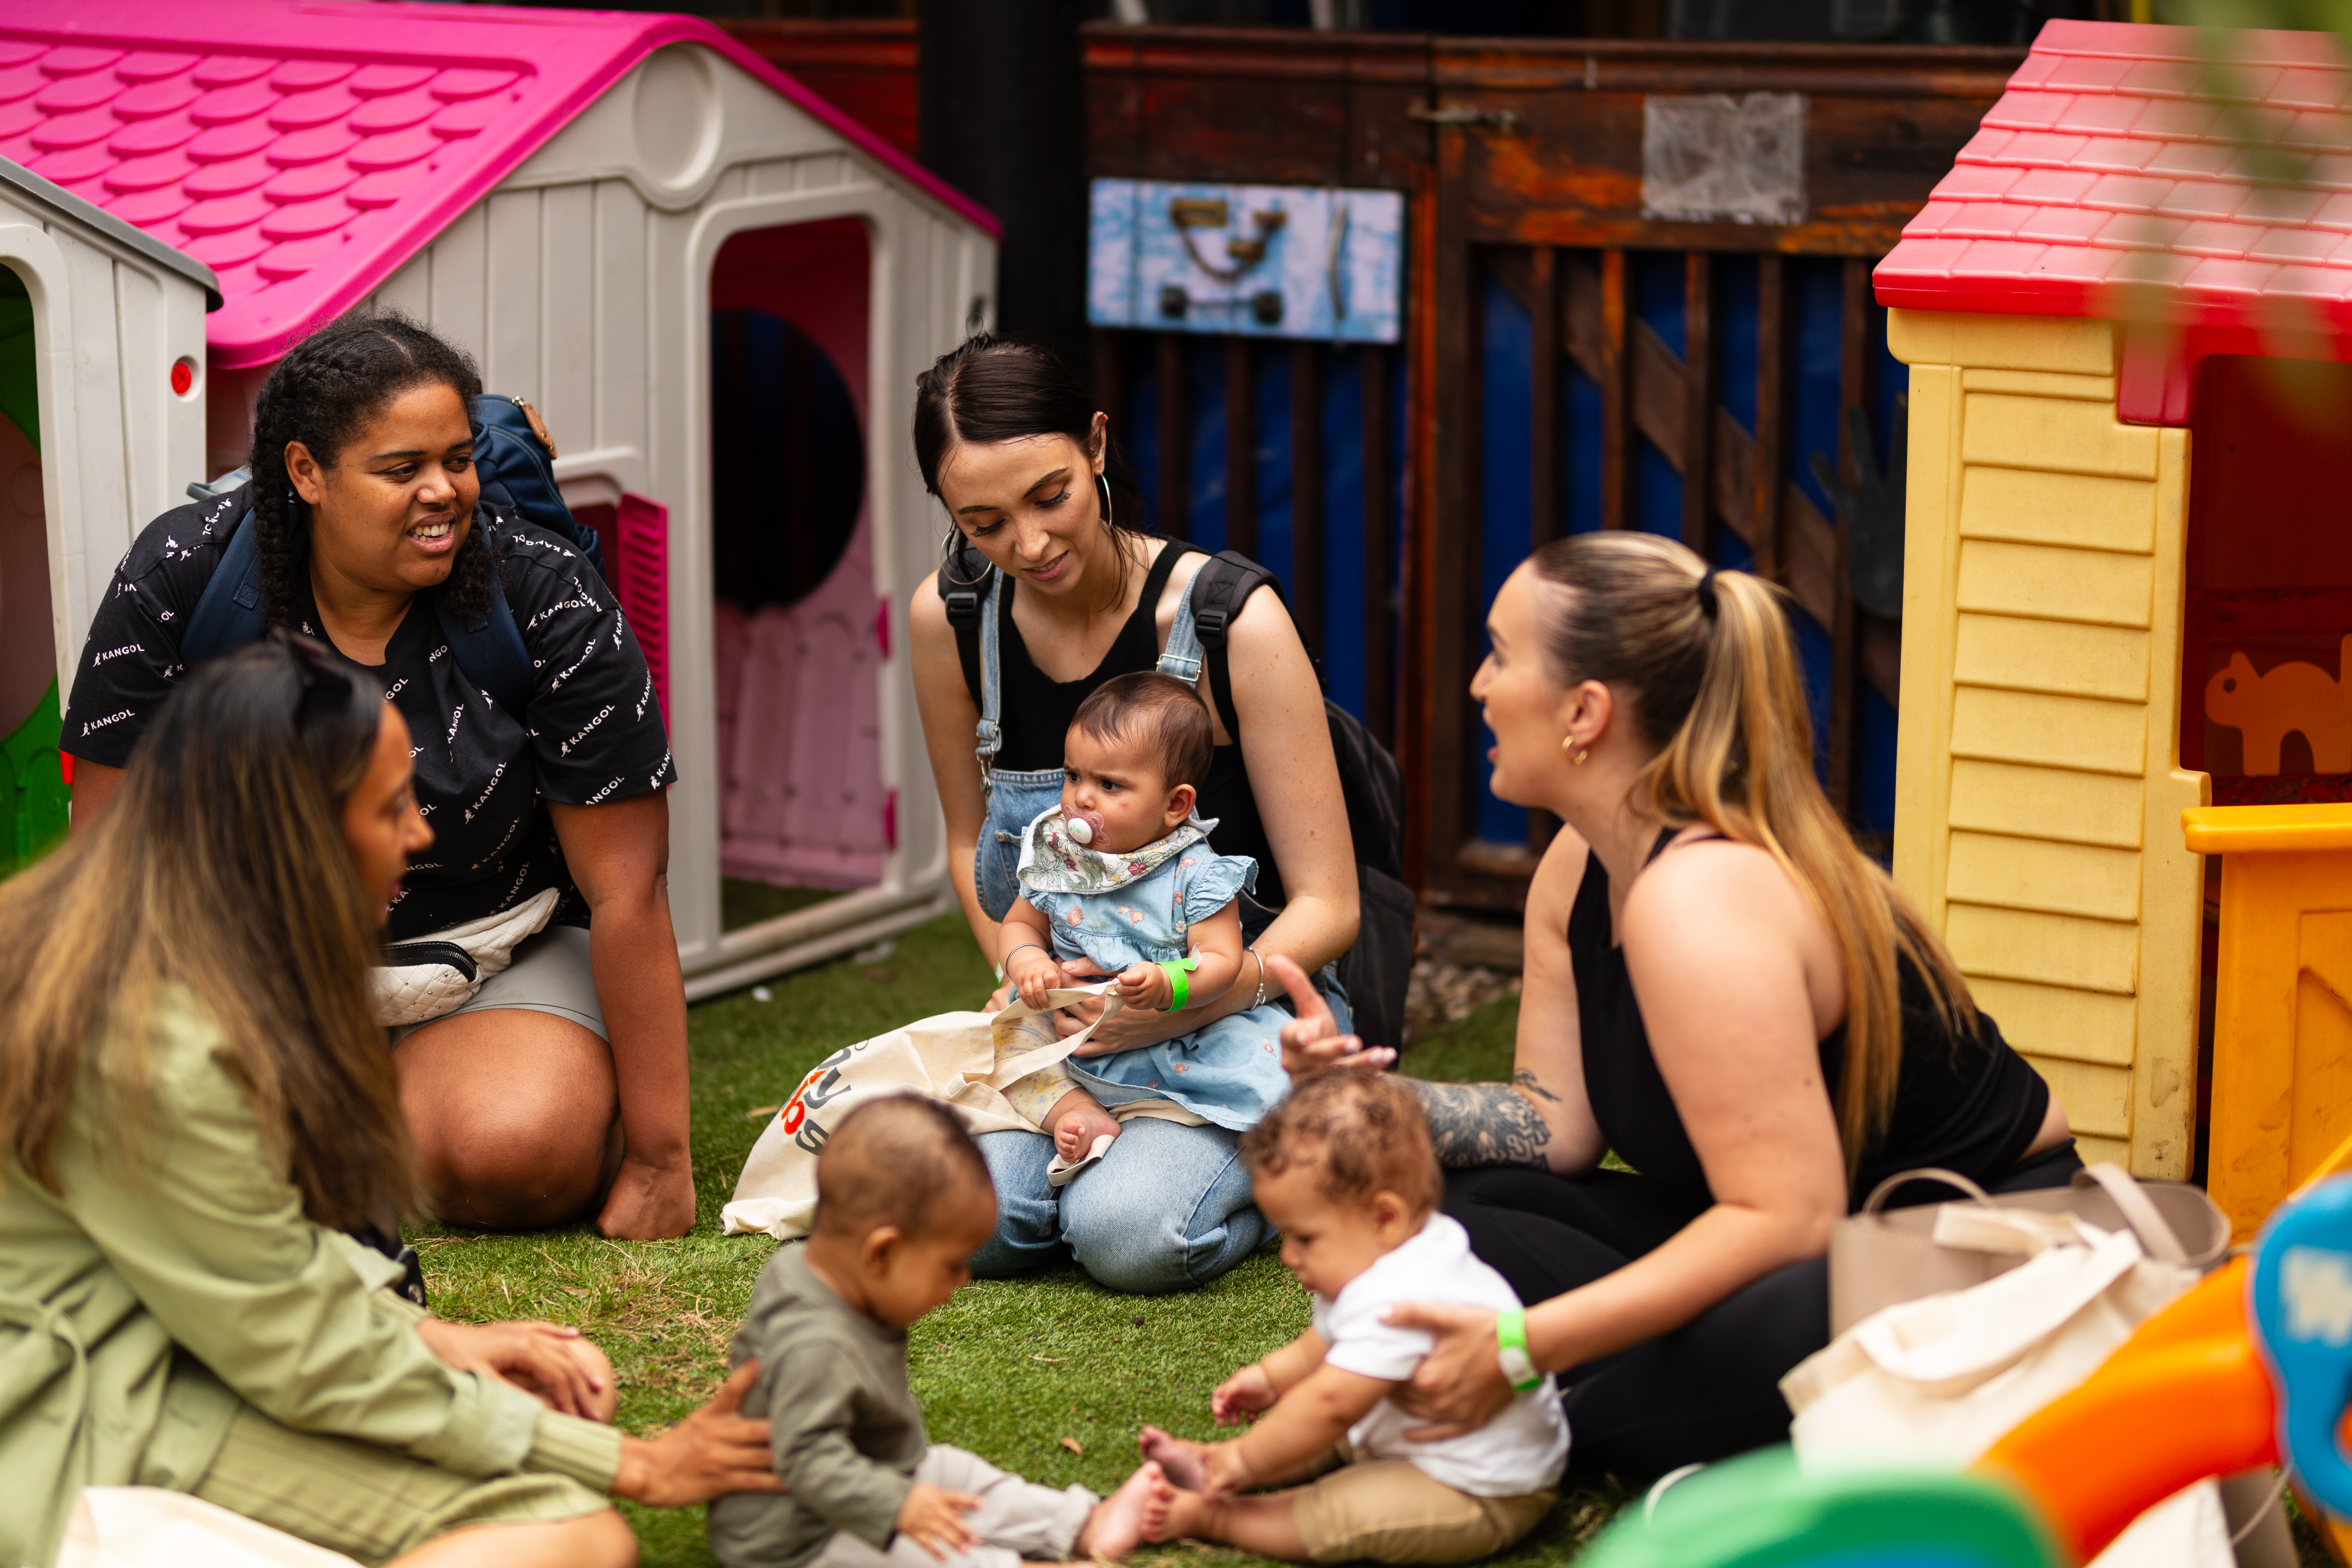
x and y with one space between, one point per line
2056 731
1698 403
1545 436
1767 473
2097 1098
2104 1151
2051 656
2056 436
2046 803
2036 874
2091 585
1307 554
2057 509
1615 431
2052 950
1172 514
2057 1021
1240 449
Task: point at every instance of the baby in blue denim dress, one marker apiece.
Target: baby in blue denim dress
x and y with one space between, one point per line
1120 873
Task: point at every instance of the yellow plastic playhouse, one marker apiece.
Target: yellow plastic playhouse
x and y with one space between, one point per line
2127 312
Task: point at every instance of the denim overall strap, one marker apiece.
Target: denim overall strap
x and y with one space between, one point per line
1182 659
988 733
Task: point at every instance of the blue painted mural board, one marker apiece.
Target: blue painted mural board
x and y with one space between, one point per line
1273 261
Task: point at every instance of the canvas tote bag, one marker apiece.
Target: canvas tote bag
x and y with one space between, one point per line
2028 1299
951 1056
148 1527
1880 1257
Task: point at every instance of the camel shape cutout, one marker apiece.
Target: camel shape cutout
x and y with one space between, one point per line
2264 709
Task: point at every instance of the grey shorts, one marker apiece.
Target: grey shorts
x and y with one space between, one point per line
550 974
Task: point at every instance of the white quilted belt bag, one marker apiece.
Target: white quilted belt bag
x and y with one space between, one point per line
423 980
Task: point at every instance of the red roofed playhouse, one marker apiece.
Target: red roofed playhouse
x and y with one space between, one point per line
2128 593
665 245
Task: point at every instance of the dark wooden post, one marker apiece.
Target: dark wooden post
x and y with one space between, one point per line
1857 367
1616 429
1772 413
1379 544
1241 448
1174 502
1307 494
1698 403
1543 397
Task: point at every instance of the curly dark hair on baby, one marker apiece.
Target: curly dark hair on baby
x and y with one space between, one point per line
1364 1131
323 393
1160 711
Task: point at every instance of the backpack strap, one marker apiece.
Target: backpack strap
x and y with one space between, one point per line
492 654
1220 589
965 577
229 613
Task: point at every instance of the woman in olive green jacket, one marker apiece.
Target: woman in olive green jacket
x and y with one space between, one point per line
195 1104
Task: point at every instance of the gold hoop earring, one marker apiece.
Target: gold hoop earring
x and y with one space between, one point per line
1576 758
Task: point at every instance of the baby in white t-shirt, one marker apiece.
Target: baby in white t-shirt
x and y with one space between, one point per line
1343 1168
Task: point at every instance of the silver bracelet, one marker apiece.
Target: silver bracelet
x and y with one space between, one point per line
1261 980
1016 948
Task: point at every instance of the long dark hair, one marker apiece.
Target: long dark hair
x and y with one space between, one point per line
220 865
988 389
323 393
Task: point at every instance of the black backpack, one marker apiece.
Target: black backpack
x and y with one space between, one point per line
512 464
1376 970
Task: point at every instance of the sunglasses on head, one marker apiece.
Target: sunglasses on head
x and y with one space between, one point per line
325 687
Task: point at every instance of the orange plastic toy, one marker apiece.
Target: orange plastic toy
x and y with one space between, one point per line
2119 1444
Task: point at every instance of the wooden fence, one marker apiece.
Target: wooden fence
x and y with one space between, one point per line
1523 162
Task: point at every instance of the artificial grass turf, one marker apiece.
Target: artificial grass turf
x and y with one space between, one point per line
1010 1369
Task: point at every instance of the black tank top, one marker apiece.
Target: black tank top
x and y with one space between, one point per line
1037 711
1968 1105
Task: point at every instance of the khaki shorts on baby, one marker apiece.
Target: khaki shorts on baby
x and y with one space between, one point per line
369 1502
1391 1511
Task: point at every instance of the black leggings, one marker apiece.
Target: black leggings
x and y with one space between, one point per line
1709 1389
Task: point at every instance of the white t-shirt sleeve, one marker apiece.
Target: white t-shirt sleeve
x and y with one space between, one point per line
1363 1344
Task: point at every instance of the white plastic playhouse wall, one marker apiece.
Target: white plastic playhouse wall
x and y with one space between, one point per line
112 313
583 283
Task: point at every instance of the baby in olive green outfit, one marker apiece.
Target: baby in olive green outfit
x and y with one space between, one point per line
903 1200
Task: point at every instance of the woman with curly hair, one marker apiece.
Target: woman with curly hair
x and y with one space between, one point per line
558 1090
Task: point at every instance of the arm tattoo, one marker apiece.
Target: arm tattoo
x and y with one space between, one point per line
1482 1125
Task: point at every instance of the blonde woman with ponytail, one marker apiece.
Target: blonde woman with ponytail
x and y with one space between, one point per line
1721 988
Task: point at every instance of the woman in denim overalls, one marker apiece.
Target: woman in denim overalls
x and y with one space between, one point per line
1016 451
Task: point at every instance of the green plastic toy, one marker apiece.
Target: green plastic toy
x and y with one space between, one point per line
1764 1512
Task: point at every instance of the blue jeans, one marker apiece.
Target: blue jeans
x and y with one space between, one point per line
1168 1209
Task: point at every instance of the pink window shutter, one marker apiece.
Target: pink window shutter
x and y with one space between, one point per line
641 578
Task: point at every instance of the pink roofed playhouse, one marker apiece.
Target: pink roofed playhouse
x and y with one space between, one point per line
699 272
2127 311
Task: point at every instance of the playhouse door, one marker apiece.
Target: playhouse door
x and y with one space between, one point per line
798 646
32 789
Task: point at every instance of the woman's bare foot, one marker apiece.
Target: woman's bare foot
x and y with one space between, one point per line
1178 1458
1116 1526
1077 1121
1170 1514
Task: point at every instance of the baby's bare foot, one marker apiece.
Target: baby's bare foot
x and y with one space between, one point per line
1168 1514
1075 1133
1178 1458
1115 1526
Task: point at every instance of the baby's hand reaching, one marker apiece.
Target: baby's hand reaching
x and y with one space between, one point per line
1145 985
1033 972
932 1518
1242 1396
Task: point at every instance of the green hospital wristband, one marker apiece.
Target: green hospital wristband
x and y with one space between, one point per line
1519 1368
1181 987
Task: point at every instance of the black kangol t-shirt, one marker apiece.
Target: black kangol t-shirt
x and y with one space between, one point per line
593 733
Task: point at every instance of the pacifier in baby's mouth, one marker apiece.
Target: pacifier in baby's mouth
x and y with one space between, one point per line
1084 826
